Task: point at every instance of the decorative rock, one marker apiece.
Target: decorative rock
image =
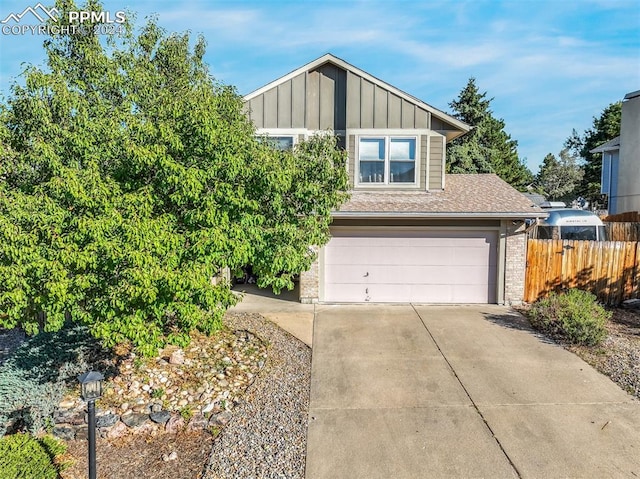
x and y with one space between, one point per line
156 407
631 304
177 357
67 404
197 422
74 417
107 420
221 419
119 429
82 433
160 417
134 419
174 424
148 428
170 457
210 407
66 433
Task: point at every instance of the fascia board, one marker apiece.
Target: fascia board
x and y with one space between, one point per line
374 214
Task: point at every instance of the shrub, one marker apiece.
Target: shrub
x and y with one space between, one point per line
24 456
37 375
574 315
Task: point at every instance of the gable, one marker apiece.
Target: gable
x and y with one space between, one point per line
328 93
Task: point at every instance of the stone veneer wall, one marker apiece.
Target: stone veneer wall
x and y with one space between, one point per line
310 283
515 263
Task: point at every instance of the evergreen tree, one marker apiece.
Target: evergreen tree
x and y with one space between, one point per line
487 148
605 127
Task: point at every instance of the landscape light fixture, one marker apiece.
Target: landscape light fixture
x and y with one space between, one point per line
91 387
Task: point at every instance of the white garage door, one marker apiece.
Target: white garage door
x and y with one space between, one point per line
421 266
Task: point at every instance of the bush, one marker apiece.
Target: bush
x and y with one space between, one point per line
24 456
37 375
574 315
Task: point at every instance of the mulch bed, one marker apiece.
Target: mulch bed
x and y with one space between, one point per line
141 457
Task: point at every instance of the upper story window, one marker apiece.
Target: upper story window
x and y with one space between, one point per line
280 142
387 160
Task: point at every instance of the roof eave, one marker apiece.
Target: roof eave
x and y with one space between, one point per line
439 215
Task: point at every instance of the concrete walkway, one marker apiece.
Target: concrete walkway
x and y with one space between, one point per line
428 392
285 310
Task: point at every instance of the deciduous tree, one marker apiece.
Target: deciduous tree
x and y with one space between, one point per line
558 178
130 179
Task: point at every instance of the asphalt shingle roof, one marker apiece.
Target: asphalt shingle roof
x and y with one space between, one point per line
472 195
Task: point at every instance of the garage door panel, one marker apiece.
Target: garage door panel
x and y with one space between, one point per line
418 293
434 266
411 274
387 255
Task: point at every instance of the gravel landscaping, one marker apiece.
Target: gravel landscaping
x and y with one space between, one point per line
619 354
265 436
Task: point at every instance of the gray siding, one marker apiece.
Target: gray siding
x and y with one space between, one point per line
424 164
371 106
351 165
329 97
436 163
315 100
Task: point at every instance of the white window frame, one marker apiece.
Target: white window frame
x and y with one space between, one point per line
387 137
294 133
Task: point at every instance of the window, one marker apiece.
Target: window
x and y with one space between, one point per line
279 142
387 160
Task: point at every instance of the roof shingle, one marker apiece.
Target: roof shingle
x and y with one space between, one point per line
482 195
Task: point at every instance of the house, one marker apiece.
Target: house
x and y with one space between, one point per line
410 232
620 178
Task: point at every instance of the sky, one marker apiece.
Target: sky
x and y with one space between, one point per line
549 65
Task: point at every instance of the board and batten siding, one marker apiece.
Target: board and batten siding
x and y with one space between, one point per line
329 97
314 100
371 106
436 162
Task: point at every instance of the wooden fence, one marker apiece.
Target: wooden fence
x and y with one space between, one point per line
623 231
629 216
609 269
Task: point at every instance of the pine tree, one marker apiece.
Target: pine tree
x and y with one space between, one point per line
487 148
605 127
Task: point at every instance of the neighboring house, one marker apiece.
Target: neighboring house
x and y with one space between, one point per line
535 198
409 233
610 170
621 160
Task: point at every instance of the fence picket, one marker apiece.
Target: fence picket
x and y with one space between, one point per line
609 269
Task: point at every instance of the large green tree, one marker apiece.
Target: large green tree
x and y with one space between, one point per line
604 128
488 148
559 177
129 179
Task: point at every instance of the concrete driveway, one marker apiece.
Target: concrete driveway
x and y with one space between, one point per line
459 391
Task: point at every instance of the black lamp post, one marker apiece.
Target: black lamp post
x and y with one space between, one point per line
91 384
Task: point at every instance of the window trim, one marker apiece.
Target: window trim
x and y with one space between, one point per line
294 133
387 137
